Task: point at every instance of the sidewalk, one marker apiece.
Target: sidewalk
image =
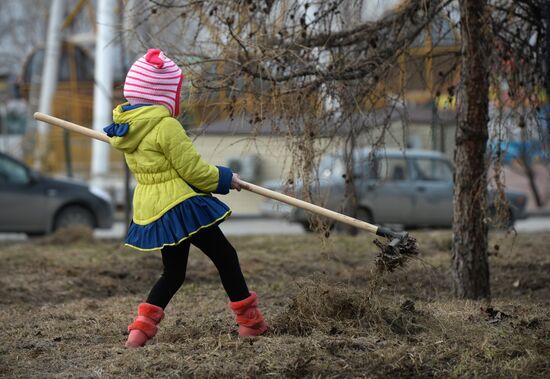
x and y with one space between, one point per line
257 226
233 226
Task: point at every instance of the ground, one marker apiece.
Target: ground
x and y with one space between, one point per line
66 303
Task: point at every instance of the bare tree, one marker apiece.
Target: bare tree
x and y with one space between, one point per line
470 263
316 69
311 68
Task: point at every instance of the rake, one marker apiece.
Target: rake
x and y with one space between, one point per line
394 252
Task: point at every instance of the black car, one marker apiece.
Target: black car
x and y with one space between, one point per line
36 204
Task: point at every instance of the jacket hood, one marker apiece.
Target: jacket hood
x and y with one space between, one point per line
132 124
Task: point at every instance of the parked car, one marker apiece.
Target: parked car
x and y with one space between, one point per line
413 188
36 204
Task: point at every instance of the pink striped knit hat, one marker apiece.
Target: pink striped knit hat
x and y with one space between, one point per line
154 79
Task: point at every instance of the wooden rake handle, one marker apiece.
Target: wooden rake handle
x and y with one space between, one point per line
71 127
309 207
245 185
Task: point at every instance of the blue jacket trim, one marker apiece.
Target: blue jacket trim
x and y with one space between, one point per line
224 181
117 130
178 224
129 107
120 130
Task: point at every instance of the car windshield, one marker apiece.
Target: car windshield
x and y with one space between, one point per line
333 166
388 168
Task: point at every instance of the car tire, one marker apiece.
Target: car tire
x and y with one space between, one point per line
307 227
32 235
365 214
74 215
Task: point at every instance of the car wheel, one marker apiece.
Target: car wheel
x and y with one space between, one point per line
35 234
310 225
307 227
365 214
74 215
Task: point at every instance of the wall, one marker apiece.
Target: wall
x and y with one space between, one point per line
216 149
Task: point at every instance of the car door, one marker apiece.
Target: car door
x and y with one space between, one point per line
22 201
387 191
433 187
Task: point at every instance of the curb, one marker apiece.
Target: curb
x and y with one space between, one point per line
234 216
538 213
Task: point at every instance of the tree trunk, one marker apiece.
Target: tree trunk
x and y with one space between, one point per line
470 265
547 60
350 190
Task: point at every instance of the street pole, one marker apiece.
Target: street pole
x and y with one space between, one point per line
103 85
547 76
50 75
546 107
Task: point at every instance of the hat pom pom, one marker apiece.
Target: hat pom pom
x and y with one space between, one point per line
152 56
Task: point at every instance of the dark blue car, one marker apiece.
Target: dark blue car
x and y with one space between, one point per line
36 204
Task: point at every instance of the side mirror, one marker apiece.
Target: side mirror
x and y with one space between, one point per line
33 177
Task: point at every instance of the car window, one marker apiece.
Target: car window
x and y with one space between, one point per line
12 172
392 169
432 169
331 167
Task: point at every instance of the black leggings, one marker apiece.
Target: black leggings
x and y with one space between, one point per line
213 243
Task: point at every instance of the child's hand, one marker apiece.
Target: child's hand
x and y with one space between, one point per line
236 182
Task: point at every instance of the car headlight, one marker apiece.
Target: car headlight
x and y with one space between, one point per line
101 193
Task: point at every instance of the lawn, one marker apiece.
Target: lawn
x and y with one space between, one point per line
66 303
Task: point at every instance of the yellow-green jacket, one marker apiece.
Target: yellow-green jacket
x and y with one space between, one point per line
162 158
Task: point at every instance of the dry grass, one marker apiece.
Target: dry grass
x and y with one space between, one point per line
65 308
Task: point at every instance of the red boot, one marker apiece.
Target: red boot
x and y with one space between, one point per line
144 326
248 316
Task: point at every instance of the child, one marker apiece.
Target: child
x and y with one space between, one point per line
173 206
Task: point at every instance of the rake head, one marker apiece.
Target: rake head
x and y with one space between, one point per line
398 249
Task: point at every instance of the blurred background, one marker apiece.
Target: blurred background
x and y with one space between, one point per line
68 58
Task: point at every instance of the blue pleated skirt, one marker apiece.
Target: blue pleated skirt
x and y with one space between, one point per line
178 224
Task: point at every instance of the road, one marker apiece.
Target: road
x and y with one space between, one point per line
236 226
233 226
534 224
247 226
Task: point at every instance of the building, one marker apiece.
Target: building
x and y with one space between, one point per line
264 156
